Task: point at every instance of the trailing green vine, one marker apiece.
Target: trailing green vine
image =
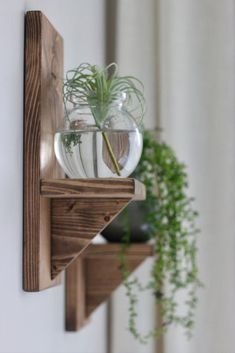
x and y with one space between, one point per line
172 221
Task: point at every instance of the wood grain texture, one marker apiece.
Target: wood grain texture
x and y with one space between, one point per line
75 222
43 114
101 275
93 188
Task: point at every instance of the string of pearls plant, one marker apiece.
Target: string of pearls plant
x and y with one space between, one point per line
172 229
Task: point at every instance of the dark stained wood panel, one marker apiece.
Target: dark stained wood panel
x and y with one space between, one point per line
43 114
75 299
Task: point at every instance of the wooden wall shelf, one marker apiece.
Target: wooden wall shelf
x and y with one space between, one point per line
92 278
62 216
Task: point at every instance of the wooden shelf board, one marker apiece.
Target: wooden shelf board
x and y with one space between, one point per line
113 249
93 188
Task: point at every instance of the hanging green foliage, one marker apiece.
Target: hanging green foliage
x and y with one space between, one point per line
172 228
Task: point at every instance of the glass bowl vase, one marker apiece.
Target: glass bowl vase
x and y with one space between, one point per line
90 148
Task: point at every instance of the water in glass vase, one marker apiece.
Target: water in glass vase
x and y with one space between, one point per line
98 153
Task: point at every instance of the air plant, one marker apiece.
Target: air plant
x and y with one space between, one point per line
99 89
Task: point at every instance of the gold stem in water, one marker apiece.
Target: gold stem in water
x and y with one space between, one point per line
112 156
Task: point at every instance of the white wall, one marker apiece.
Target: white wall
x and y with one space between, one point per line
189 47
137 48
198 114
34 323
137 56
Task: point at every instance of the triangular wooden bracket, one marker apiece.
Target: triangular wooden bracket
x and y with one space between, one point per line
80 209
92 278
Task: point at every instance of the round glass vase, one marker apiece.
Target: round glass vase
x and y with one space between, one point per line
110 150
